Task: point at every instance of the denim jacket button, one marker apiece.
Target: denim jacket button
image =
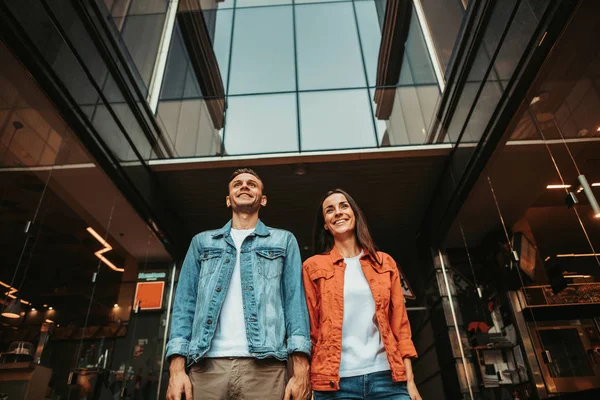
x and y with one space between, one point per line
209 321
226 260
218 289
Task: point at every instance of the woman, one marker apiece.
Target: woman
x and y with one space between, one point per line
362 345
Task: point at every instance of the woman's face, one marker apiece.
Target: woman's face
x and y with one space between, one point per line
338 215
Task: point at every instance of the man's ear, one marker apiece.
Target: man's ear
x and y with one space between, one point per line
227 201
263 201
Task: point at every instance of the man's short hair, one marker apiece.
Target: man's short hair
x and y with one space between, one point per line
250 171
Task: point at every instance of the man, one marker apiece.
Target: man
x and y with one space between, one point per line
240 309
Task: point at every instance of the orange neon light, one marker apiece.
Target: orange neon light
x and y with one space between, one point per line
11 293
106 249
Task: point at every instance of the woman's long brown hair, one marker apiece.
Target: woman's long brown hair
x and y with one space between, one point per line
323 240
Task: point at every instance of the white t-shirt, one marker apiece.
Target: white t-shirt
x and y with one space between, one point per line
362 349
230 335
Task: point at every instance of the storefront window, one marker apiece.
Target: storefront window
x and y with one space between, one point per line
524 250
84 283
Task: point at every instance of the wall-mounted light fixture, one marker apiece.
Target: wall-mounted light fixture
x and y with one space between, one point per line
107 248
553 186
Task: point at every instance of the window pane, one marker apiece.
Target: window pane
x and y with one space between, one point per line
263 51
417 56
255 3
222 42
261 124
317 1
339 119
370 36
328 48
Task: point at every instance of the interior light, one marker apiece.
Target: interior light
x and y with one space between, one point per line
12 310
598 129
107 248
596 184
33 309
558 186
116 305
50 308
49 321
11 293
45 305
577 276
590 195
578 255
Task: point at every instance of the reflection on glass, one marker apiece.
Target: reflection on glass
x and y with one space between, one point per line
263 51
339 119
370 36
261 124
417 55
189 127
569 358
141 34
176 70
328 47
257 3
222 42
444 19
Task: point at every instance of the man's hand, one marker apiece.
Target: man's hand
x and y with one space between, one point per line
179 382
298 387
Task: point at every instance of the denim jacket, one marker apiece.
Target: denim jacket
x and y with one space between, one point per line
274 303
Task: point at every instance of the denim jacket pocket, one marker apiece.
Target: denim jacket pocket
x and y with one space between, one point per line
209 259
270 262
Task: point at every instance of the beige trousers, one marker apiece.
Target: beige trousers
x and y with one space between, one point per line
238 379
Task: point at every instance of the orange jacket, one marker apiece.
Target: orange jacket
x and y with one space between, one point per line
323 277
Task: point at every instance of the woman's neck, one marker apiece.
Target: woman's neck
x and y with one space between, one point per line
348 247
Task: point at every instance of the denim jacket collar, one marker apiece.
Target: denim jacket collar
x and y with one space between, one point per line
260 230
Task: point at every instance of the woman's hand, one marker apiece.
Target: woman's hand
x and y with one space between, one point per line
412 391
410 383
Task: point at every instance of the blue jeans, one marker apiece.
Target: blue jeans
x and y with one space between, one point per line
375 386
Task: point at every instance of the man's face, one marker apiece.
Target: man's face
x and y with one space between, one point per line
245 194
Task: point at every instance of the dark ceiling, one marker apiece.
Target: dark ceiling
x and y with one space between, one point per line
393 193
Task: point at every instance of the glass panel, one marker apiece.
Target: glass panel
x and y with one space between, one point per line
339 119
189 127
261 124
569 358
263 51
328 49
141 34
72 248
138 7
417 55
316 1
256 3
444 20
370 36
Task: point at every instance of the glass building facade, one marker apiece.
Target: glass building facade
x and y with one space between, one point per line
296 75
460 127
